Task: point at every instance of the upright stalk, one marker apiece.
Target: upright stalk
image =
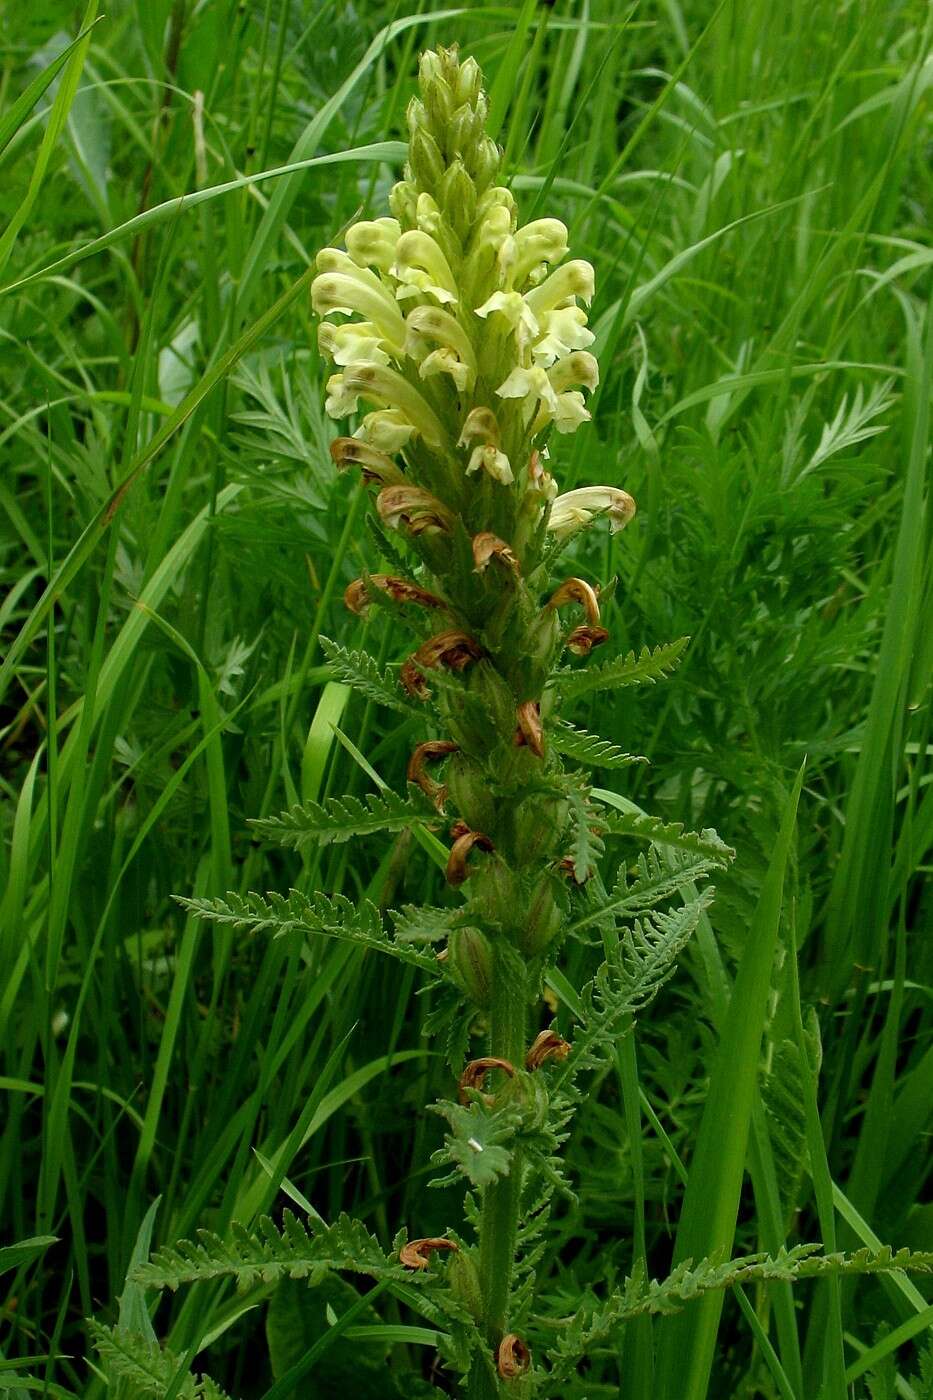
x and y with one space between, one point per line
502 1201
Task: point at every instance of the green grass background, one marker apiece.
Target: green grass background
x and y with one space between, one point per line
751 181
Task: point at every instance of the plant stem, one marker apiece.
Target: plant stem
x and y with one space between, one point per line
501 1201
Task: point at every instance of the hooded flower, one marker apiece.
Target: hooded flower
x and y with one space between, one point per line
576 508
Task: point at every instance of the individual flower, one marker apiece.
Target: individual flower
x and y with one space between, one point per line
491 460
578 507
514 309
356 341
387 428
420 267
371 243
561 330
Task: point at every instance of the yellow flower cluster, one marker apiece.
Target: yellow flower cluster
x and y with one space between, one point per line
462 332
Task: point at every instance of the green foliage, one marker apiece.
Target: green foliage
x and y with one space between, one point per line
479 1143
143 1368
174 540
267 1254
359 669
590 749
339 819
641 827
645 668
643 958
282 915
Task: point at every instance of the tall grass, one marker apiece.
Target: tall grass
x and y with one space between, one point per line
750 183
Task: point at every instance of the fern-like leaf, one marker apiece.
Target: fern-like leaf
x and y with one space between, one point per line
644 668
590 749
333 916
339 819
417 923
360 670
146 1368
654 880
479 1143
265 1255
642 961
587 848
642 827
594 1323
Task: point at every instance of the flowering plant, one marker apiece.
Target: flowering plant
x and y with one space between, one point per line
460 344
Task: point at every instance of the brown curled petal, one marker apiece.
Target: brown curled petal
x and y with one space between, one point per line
487 546
414 508
416 1254
442 956
426 753
375 465
458 828
457 870
582 640
355 597
530 728
453 649
412 680
547 1045
476 1071
513 1357
359 593
577 590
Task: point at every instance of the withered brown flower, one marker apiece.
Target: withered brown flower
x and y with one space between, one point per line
530 729
416 1254
547 1045
513 1357
457 870
582 640
476 1071
430 752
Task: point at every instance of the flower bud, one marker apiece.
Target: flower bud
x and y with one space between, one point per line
544 916
426 161
486 164
403 203
468 787
469 962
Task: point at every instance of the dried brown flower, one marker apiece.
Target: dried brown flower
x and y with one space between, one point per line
577 590
416 1254
400 590
475 1073
430 752
547 1045
582 640
513 1357
487 546
415 508
457 870
530 730
453 649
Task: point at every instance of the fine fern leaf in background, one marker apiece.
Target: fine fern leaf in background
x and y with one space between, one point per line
852 425
360 670
642 827
589 749
642 668
339 819
266 1254
145 1368
334 917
